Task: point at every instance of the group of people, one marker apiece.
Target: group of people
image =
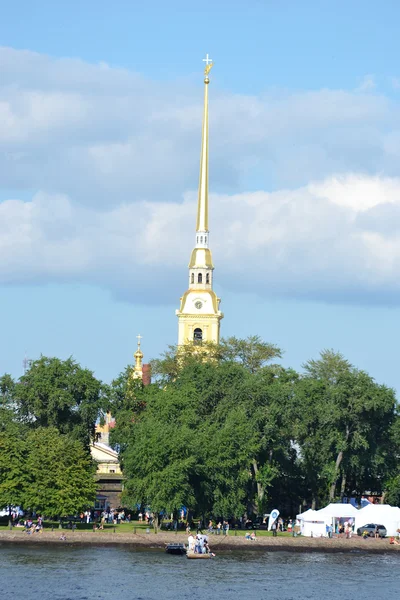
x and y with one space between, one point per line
109 515
148 517
198 544
346 529
31 527
220 527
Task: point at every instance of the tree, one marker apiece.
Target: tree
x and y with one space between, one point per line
7 387
252 353
313 433
329 367
61 474
61 394
125 393
213 438
176 358
13 455
348 416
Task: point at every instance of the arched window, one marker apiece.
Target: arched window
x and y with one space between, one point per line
205 240
201 240
192 278
208 278
197 239
199 278
197 335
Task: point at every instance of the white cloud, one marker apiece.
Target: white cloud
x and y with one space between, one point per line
317 241
104 135
115 154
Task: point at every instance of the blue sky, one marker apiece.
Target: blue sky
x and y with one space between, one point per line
100 116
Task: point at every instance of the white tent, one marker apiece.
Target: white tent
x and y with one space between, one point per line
336 512
305 515
310 524
379 514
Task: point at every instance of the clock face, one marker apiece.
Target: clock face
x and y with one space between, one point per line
198 304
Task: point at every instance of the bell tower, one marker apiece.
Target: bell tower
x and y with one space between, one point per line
199 315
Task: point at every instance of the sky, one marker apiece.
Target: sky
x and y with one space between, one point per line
100 130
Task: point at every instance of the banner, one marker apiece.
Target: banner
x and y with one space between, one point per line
272 518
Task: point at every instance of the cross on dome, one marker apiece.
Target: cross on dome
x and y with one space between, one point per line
139 337
207 59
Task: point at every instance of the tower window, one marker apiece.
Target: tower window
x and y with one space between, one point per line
197 335
208 278
200 278
201 240
205 240
192 278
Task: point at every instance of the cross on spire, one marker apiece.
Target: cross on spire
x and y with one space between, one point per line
139 337
207 59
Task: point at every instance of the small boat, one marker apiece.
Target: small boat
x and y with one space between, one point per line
191 554
175 549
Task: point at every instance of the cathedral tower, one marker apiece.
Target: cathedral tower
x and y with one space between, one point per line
199 315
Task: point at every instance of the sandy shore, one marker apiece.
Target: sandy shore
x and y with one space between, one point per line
217 543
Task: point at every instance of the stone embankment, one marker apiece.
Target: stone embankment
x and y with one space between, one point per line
217 543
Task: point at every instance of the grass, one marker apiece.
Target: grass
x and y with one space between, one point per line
140 527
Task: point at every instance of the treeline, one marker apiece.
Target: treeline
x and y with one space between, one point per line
225 430
47 420
222 430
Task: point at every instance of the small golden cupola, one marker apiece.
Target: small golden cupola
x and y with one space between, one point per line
199 315
137 371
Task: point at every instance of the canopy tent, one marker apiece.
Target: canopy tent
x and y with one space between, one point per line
338 511
305 515
310 524
329 516
379 514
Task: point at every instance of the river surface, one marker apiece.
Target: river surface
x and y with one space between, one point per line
69 573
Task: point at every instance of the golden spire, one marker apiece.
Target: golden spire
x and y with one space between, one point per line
138 369
202 204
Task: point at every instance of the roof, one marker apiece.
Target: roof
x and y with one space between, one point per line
338 510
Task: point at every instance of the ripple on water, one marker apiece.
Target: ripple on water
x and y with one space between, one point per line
68 573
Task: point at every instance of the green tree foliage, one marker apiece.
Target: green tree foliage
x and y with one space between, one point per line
13 455
61 474
343 428
43 470
252 353
7 387
224 430
212 438
172 455
47 420
61 394
125 393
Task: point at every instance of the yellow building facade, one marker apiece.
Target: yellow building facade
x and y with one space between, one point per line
199 316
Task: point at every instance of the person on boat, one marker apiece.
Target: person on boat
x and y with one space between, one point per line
190 543
200 543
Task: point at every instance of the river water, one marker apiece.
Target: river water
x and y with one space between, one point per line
70 573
